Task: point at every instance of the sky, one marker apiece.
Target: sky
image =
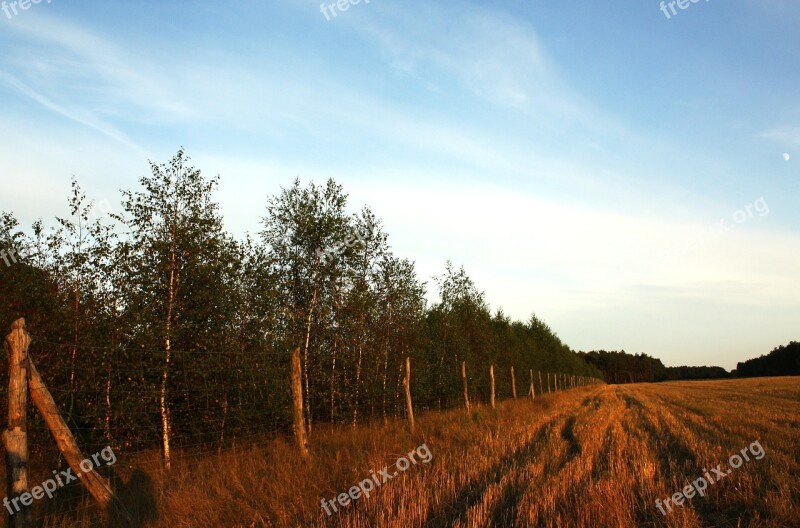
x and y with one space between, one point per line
628 173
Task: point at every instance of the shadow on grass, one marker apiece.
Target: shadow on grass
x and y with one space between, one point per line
138 498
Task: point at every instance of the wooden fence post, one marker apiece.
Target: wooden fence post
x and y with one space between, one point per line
491 375
541 387
97 485
407 386
297 398
532 391
513 384
464 377
548 383
15 437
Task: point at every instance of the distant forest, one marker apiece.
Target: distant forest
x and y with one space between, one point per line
783 361
150 320
621 367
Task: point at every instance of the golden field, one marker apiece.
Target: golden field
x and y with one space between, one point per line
595 457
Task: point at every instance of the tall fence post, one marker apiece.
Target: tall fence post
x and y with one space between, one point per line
548 383
513 384
297 398
491 375
466 390
407 386
15 437
541 387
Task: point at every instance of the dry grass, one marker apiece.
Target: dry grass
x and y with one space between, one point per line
595 457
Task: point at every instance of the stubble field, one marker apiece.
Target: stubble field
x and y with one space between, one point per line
595 457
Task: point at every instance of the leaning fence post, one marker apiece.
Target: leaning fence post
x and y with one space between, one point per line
407 386
15 437
297 398
95 483
464 377
491 375
513 384
541 387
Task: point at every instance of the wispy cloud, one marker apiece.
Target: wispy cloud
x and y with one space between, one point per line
79 75
786 135
473 48
78 114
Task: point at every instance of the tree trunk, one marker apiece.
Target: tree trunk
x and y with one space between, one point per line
74 351
491 375
466 390
532 391
333 383
358 381
163 401
386 361
305 356
407 386
107 421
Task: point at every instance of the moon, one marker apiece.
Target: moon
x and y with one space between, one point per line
786 156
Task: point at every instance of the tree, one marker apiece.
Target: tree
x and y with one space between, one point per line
299 225
172 262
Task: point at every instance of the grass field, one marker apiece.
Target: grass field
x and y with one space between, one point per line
595 457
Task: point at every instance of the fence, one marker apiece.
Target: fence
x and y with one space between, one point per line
216 400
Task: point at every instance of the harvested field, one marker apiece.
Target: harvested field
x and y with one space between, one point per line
597 457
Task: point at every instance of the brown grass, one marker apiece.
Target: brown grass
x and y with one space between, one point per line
594 457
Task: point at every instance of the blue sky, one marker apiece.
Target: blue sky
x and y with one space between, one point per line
575 157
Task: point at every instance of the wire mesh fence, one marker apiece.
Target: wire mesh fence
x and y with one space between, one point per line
214 401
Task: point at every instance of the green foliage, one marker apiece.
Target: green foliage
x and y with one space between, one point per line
109 299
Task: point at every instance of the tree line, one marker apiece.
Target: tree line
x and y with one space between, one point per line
156 326
782 361
621 367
